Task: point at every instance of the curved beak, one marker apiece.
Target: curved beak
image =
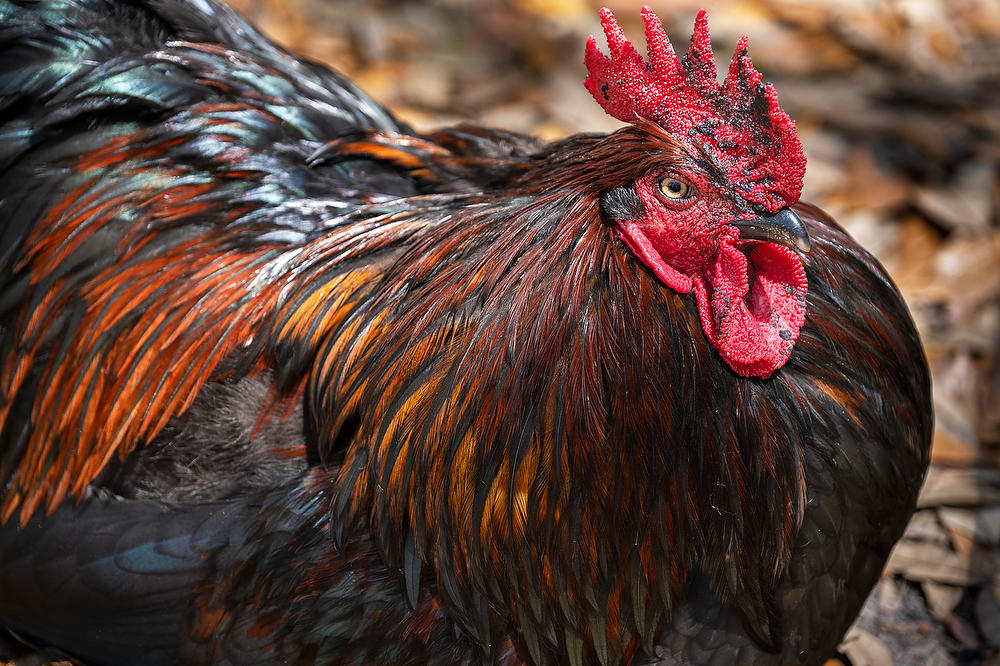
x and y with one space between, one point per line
784 228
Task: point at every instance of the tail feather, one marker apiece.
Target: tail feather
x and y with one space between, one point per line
111 578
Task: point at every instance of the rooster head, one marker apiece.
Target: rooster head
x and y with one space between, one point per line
714 220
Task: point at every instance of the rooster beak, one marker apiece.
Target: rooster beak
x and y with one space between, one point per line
783 227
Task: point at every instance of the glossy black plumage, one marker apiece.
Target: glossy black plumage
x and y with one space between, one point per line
284 381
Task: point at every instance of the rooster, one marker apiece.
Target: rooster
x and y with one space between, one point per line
284 381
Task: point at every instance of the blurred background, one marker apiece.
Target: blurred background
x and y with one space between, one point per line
898 106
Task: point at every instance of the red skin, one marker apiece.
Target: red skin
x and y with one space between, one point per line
751 295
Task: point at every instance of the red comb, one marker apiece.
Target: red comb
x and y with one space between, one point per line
738 124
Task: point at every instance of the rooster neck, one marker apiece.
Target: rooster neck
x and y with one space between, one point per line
532 394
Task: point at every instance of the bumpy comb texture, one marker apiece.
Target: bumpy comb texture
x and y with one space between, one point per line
737 126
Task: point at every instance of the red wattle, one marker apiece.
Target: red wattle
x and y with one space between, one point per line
752 302
643 247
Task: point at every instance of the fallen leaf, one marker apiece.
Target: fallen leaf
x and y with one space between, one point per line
864 649
941 599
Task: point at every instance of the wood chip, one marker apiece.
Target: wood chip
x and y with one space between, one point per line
964 205
982 525
932 562
924 525
950 448
941 599
864 649
961 543
960 487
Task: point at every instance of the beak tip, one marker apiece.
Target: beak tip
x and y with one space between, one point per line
784 227
797 230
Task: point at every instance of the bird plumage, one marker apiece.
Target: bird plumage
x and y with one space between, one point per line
336 392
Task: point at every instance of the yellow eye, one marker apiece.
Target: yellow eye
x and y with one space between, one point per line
673 188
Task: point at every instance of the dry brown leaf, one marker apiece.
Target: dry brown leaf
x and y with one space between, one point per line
867 186
981 524
962 521
941 599
963 204
949 448
960 487
932 562
864 649
925 526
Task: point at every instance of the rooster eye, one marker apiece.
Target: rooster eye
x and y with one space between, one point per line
673 188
